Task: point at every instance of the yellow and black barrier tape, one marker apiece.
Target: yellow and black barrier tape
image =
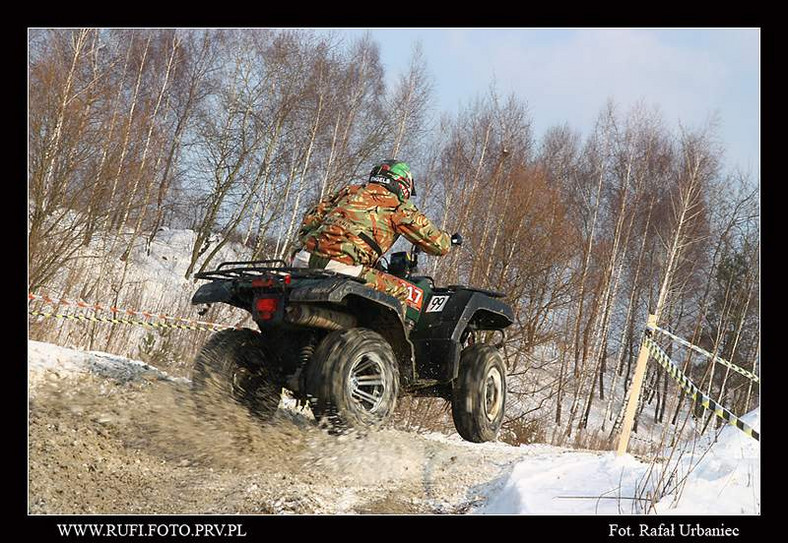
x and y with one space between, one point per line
149 324
148 316
706 353
691 389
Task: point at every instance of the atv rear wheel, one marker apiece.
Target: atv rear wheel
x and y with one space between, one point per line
479 394
232 365
353 380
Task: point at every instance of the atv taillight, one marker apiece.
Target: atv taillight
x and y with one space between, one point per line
266 307
268 282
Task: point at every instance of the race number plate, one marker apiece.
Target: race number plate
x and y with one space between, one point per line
415 297
437 303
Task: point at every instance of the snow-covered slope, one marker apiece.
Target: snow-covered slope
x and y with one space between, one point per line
722 478
47 362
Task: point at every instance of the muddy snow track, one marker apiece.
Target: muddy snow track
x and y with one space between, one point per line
136 443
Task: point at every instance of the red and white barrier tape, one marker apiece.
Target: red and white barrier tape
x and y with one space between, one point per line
189 324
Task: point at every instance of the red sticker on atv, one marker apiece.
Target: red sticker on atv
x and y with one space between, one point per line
415 297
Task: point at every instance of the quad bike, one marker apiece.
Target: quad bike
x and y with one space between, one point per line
349 351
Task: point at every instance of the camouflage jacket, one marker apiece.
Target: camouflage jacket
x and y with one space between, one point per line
335 228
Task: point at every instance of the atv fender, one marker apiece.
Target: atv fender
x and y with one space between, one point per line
213 292
436 339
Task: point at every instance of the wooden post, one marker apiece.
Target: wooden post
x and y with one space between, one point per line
634 394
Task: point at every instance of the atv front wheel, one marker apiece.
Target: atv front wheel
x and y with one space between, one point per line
479 394
232 365
353 380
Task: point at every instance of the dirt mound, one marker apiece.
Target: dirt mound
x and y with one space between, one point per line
99 444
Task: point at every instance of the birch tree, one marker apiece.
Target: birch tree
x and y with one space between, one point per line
175 45
410 105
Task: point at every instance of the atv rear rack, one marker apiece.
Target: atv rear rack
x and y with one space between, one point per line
255 263
253 269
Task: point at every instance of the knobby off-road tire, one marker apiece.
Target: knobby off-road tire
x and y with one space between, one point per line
232 365
479 394
353 380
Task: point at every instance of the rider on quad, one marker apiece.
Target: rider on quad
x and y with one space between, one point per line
338 344
348 232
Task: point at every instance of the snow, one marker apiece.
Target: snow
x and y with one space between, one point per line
46 361
723 478
163 271
560 482
726 480
151 279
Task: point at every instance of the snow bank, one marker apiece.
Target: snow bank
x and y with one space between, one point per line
722 478
558 481
153 277
46 361
725 477
165 267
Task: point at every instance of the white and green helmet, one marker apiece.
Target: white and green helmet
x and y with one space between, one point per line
394 175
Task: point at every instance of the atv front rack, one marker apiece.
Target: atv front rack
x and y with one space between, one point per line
253 269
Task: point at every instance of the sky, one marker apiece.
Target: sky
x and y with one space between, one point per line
567 75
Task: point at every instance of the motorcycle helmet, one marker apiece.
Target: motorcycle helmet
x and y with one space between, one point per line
394 175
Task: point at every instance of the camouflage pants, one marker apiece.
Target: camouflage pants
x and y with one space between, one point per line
386 283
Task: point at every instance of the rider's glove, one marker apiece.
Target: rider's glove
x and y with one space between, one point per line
456 239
